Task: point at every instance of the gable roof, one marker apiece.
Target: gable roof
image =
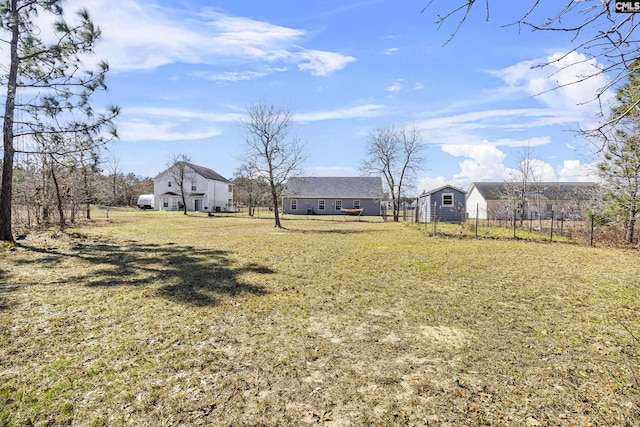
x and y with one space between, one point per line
453 188
206 173
359 187
545 190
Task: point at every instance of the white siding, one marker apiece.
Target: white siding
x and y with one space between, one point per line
425 208
216 193
218 196
476 204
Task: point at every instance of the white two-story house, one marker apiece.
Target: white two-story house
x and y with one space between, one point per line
204 189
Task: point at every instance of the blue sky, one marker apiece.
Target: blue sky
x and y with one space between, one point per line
184 71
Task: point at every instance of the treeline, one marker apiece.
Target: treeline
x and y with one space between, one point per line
47 191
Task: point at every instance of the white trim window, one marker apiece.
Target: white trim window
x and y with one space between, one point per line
294 204
320 205
338 205
356 204
447 199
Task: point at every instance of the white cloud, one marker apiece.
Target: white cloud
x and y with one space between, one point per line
431 183
526 142
540 170
138 36
181 114
321 63
141 130
419 86
230 76
566 83
390 51
442 127
368 110
574 170
483 162
395 87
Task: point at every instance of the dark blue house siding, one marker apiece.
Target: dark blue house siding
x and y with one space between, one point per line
446 204
312 206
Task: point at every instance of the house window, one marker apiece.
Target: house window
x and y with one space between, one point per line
230 188
320 205
356 204
165 204
338 205
169 184
294 205
193 188
447 199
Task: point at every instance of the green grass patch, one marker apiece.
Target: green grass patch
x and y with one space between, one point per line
165 319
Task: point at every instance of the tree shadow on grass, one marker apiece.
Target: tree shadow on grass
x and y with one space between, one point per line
183 274
4 289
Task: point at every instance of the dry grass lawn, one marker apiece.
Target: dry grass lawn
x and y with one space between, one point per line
152 319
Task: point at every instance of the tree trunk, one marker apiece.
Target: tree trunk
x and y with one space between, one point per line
274 196
631 225
6 233
87 195
59 200
396 207
6 188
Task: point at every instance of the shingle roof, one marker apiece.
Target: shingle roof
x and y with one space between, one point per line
361 187
546 190
207 173
202 171
442 188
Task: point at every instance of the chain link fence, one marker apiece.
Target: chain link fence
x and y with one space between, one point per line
594 229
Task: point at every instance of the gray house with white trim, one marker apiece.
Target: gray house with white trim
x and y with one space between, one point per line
333 195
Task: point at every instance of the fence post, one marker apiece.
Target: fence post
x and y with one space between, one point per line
551 235
592 227
515 214
477 217
435 219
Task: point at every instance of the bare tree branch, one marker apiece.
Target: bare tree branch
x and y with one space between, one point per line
269 150
599 34
395 154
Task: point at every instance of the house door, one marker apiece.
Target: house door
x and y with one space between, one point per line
196 205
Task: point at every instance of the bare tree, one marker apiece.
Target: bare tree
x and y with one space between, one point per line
250 187
596 31
523 189
110 195
396 154
182 174
270 151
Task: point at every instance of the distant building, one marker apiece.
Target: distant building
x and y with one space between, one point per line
497 200
332 195
444 204
205 191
